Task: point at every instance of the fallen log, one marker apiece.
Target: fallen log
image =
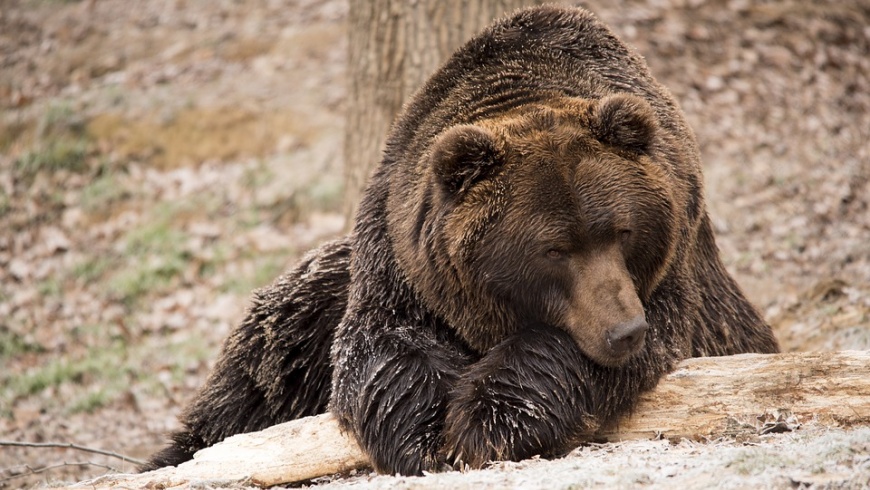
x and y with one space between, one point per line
704 398
709 397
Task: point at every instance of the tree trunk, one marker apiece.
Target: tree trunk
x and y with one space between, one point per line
705 397
395 45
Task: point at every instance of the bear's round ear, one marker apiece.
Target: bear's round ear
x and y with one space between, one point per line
624 121
463 155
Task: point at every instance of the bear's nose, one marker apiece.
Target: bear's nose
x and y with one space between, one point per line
625 337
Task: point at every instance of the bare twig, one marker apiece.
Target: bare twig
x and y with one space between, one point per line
42 469
69 445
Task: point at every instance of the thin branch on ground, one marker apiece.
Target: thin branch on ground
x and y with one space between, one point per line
33 471
69 445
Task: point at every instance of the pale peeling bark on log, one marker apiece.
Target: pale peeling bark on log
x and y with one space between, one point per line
715 396
704 398
293 451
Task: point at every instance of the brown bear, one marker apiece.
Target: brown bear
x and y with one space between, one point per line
532 253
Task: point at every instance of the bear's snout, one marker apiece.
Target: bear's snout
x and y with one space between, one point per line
605 316
626 338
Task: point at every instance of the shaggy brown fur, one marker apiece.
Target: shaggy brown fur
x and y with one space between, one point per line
532 254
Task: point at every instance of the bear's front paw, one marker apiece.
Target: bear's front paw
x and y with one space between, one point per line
489 424
521 399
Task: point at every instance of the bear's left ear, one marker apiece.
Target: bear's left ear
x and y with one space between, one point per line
624 121
463 155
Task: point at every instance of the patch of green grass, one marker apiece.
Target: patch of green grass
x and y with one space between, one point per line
89 381
60 119
159 236
102 193
53 155
12 344
50 287
217 256
91 269
154 256
52 374
92 400
61 143
98 334
106 368
138 279
255 177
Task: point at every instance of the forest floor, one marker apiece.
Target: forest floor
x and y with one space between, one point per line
161 159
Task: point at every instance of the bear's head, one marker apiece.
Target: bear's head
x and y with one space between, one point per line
554 213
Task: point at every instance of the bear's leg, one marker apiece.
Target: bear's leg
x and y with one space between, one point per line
730 323
530 395
390 390
275 366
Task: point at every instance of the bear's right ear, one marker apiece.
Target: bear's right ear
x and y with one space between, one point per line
463 155
624 121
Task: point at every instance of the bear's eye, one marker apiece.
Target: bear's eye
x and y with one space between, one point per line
625 236
555 254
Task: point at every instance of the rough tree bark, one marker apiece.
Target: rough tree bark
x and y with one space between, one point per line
394 46
704 398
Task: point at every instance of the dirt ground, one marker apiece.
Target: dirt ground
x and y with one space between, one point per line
160 159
